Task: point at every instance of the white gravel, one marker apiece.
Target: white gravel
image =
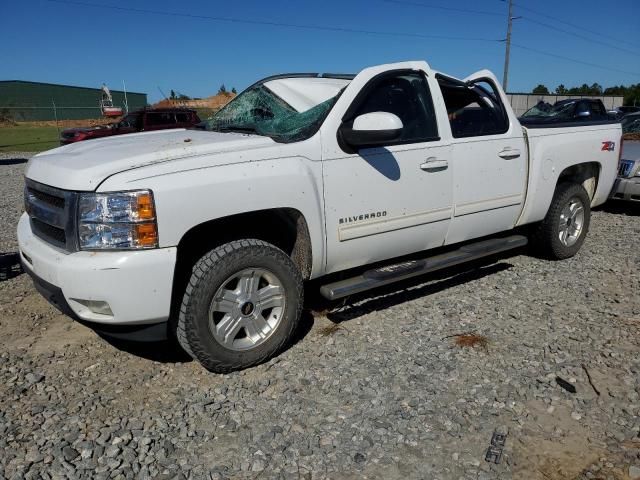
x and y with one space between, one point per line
387 394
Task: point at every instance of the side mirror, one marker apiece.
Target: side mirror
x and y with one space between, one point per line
373 129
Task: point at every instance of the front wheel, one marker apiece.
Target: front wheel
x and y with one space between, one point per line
241 306
564 229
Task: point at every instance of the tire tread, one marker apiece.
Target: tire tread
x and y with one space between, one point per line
229 252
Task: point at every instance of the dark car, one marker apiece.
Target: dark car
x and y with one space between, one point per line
139 121
627 110
631 123
572 110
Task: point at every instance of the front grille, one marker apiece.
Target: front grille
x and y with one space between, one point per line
54 235
52 213
624 170
57 202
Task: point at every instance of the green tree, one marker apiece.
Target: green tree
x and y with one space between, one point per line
561 90
540 90
172 95
222 89
632 95
234 91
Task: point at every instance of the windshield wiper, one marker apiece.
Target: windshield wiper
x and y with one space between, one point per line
237 128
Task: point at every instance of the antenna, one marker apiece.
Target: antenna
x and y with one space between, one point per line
162 93
126 102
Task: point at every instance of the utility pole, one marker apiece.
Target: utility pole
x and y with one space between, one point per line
126 102
507 52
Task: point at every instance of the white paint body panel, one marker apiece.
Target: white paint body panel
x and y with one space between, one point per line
136 285
489 190
200 176
553 150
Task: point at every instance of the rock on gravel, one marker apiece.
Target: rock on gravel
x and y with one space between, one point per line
388 394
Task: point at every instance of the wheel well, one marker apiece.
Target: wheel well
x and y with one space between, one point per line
286 228
585 174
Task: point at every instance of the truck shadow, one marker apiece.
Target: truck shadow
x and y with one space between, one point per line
620 207
10 265
344 310
410 292
405 291
13 161
167 351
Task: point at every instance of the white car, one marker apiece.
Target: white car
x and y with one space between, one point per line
210 235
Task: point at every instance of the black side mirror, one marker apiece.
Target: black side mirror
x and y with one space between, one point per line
373 129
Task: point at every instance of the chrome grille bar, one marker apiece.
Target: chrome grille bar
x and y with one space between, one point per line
52 212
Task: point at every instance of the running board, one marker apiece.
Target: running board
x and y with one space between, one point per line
378 277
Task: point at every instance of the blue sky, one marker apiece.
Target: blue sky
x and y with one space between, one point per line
54 42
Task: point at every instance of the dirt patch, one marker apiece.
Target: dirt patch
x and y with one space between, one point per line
632 136
555 447
470 340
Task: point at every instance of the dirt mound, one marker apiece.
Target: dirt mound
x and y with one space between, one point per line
87 122
632 136
215 102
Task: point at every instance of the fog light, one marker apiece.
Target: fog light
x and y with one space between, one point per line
96 306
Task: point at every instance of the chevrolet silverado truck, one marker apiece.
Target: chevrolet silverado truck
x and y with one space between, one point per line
211 235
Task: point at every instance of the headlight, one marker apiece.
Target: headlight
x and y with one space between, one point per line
117 221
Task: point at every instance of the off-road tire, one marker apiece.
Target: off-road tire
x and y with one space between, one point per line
208 274
545 240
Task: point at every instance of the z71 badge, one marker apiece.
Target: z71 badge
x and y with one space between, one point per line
364 216
608 146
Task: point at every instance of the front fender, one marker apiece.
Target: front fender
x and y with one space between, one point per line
191 197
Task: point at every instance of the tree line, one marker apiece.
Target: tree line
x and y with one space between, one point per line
630 93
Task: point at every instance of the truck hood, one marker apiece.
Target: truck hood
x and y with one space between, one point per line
84 165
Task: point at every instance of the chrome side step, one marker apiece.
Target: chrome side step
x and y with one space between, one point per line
378 277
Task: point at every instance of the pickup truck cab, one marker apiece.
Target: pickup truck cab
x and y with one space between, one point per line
569 110
139 121
210 235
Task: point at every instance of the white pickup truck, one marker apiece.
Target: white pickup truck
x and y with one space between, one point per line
210 235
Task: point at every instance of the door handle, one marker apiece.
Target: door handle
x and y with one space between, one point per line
433 163
509 153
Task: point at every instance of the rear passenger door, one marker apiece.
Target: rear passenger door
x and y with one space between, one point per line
489 158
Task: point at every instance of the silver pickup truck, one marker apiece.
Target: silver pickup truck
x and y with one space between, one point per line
627 186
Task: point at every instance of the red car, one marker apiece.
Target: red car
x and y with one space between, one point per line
140 121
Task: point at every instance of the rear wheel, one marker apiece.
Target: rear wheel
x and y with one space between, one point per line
241 306
564 229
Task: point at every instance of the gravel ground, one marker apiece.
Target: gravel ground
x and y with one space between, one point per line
375 389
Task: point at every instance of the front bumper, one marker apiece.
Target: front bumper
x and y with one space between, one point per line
626 189
136 285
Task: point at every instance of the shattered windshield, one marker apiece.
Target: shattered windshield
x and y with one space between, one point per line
631 124
292 114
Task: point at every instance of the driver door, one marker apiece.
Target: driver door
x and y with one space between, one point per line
387 201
